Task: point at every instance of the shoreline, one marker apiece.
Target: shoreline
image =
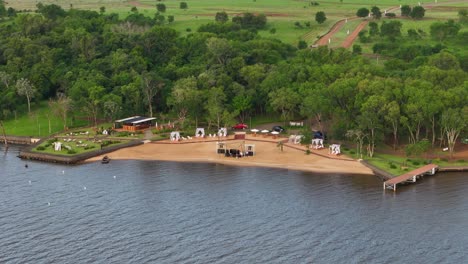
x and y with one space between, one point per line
267 154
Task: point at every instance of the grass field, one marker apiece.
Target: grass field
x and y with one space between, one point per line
37 123
281 14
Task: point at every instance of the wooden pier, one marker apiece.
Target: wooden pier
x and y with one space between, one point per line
411 176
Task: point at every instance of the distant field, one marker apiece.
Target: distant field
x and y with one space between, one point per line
281 13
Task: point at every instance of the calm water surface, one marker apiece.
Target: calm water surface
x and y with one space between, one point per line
168 212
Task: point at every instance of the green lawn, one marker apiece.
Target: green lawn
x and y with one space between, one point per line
398 165
37 123
75 146
281 14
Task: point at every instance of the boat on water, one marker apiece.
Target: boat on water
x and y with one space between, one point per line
105 160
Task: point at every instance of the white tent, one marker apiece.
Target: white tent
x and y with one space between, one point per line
334 149
200 132
317 143
222 132
175 136
57 146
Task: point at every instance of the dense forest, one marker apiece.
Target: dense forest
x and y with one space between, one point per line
102 66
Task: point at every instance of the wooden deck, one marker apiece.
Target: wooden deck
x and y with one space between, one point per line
411 176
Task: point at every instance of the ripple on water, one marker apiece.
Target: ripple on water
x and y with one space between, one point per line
169 212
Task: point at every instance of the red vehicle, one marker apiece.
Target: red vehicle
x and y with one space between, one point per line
240 126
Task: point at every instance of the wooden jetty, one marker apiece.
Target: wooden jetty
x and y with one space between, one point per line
411 176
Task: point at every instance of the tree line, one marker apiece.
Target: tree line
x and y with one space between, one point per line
106 67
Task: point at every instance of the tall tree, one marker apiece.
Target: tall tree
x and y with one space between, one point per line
285 100
362 12
161 7
3 10
454 121
376 13
60 107
320 17
405 10
5 79
221 17
151 85
215 105
183 5
25 88
185 98
417 12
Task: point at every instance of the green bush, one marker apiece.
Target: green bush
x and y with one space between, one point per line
40 148
352 152
415 163
71 151
51 141
89 147
392 166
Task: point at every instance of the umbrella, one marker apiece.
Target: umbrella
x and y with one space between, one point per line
265 131
274 133
255 131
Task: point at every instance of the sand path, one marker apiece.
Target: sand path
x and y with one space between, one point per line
350 39
267 154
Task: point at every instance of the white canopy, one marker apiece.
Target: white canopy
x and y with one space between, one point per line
200 132
175 136
222 132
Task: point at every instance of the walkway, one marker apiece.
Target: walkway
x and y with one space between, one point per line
410 176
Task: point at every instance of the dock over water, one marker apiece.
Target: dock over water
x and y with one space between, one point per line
411 176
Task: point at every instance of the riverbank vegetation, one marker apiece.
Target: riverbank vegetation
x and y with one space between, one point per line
98 65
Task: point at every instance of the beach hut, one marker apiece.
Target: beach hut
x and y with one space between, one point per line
134 123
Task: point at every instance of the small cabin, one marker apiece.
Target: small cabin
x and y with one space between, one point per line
134 123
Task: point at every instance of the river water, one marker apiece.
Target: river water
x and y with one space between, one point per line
169 212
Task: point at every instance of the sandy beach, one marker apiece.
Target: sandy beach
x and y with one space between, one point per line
267 154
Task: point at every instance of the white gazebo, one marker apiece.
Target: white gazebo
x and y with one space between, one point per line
334 149
317 143
222 132
175 136
200 132
57 146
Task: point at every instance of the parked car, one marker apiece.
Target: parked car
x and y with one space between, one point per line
277 129
240 126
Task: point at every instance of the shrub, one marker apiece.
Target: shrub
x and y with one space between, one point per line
89 147
52 140
307 152
352 152
40 148
415 163
392 166
71 151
